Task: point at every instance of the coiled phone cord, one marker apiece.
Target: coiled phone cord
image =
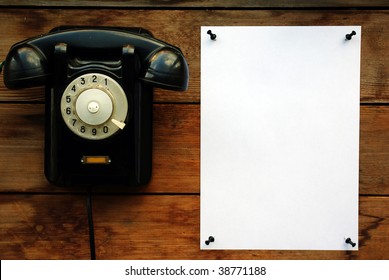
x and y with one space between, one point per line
91 227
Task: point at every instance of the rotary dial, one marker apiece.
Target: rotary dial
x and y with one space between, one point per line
94 106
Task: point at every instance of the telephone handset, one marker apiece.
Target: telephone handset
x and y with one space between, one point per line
99 96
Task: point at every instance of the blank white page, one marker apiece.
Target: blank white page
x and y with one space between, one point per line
280 137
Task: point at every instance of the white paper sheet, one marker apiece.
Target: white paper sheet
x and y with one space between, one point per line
280 137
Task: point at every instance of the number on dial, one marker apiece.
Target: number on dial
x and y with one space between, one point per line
94 106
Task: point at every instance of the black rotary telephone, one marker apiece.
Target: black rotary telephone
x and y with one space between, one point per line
99 96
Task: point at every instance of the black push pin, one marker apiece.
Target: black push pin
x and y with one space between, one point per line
210 239
213 36
349 241
349 36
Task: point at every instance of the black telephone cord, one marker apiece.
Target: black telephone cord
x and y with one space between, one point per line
91 227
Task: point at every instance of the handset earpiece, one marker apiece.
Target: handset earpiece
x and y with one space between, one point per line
166 68
25 66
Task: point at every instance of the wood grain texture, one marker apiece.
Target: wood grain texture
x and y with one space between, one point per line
182 28
43 227
147 227
374 151
167 227
202 3
176 151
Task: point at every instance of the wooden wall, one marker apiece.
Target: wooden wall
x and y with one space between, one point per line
161 221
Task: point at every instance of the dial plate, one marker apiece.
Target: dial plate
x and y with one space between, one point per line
94 106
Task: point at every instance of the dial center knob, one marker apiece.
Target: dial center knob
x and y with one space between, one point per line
93 107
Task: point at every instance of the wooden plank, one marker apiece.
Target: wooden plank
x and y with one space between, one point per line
167 227
147 227
182 28
176 155
201 4
176 164
21 148
43 227
374 150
